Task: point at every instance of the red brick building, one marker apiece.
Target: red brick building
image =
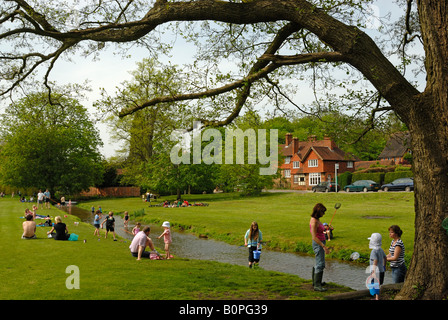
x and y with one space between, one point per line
307 163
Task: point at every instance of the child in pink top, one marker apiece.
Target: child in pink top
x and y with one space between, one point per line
166 238
136 229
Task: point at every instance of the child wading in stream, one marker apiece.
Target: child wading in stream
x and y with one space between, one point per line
166 238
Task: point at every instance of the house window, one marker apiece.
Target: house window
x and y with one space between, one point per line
314 179
287 173
299 179
349 164
296 164
287 160
312 163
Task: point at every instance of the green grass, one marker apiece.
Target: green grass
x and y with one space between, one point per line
36 269
284 218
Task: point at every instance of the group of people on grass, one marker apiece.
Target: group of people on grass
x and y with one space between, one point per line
378 258
140 242
58 229
320 233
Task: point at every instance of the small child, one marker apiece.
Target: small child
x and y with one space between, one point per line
110 225
166 238
96 223
377 264
328 231
136 229
126 219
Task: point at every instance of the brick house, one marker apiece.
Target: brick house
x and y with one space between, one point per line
307 163
397 148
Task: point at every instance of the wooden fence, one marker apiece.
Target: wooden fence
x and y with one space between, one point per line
112 192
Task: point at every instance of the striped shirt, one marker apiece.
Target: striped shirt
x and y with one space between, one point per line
400 259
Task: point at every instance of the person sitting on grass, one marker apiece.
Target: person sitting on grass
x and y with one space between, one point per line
328 231
29 228
140 242
60 228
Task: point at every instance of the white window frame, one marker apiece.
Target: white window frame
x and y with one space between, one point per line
314 178
296 164
287 173
299 179
288 160
349 164
313 163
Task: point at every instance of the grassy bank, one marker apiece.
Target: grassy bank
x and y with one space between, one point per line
36 269
284 218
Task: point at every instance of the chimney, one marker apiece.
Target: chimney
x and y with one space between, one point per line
312 138
295 145
288 139
329 143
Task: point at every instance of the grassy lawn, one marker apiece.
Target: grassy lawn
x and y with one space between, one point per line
284 218
36 269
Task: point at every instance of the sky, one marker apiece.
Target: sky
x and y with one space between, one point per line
111 70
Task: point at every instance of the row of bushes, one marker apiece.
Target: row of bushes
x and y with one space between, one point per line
347 178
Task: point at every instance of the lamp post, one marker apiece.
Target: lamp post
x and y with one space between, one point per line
336 167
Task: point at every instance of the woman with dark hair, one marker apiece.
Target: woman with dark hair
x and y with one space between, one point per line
252 239
396 254
318 237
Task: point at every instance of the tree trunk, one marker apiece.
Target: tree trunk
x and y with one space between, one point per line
427 276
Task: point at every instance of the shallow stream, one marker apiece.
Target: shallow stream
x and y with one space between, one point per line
189 246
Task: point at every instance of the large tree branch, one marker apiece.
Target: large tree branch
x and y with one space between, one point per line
357 48
207 93
304 58
244 83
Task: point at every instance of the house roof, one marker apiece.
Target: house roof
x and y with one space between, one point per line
325 149
398 144
325 153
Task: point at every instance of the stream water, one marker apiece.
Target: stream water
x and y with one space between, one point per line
189 246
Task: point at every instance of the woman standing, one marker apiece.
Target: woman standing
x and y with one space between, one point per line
252 239
318 237
396 254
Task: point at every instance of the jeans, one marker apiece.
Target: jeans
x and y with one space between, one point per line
398 273
320 257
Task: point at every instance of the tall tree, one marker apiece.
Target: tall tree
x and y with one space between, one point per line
49 146
316 32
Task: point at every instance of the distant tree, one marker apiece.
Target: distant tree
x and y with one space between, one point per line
49 146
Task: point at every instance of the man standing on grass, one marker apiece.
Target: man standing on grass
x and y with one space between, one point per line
40 199
47 199
140 242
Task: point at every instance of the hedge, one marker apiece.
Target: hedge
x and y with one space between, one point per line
391 176
344 179
378 177
347 178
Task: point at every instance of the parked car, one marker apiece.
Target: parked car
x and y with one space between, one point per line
325 186
362 185
401 184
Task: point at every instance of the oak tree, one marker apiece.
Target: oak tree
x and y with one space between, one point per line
268 41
